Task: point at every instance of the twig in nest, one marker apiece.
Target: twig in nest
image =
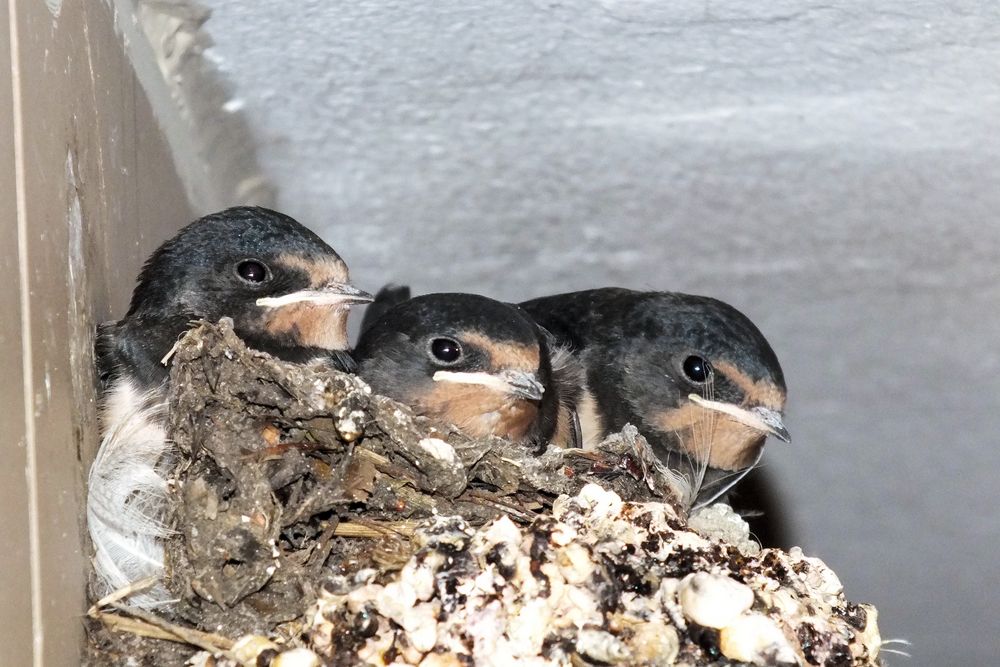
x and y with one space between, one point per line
147 624
319 499
321 551
123 592
498 503
384 465
276 451
133 626
362 528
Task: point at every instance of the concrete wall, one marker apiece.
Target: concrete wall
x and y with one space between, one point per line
831 169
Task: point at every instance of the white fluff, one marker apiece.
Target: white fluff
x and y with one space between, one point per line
127 492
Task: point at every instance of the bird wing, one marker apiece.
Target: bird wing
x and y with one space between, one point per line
106 355
574 318
387 297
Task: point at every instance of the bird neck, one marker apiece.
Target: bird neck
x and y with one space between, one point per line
143 341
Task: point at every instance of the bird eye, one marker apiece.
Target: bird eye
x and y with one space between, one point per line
251 271
446 350
697 369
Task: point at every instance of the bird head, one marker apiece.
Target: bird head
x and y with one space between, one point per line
281 284
459 358
701 379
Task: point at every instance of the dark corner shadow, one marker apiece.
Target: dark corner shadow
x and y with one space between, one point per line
758 497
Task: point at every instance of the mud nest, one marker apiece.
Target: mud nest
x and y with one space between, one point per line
316 523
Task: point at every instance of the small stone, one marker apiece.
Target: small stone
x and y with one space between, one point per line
562 535
528 628
439 449
421 626
654 642
408 655
689 540
201 659
395 600
713 601
501 531
600 503
602 646
868 641
819 577
756 639
576 564
376 647
420 576
442 660
297 657
248 647
719 522
350 426
785 601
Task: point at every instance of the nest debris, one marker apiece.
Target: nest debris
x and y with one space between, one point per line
317 523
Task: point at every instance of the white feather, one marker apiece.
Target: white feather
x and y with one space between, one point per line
127 492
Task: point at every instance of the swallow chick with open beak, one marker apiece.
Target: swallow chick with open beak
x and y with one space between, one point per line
288 294
462 359
693 374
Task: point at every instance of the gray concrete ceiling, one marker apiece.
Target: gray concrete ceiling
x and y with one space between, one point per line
831 169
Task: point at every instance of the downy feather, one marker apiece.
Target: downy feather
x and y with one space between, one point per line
127 498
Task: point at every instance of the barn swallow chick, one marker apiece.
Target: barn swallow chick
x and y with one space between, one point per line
693 374
463 359
288 294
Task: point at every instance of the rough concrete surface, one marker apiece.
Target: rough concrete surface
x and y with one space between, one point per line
831 169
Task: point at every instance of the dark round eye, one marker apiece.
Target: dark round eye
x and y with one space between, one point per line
251 271
697 369
446 350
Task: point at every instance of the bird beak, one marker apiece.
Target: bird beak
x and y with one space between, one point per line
331 294
760 418
523 384
516 383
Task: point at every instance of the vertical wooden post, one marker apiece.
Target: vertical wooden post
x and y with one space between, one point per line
87 189
15 557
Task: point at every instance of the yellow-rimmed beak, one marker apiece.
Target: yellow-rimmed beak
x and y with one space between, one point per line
760 418
332 294
516 383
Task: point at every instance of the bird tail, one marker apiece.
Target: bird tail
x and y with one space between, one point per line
127 494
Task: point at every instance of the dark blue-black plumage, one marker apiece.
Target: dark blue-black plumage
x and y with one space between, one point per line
288 294
646 354
197 275
464 359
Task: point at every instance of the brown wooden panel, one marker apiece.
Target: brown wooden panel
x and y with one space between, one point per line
15 557
96 192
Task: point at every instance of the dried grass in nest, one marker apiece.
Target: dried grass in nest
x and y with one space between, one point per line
288 475
297 490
